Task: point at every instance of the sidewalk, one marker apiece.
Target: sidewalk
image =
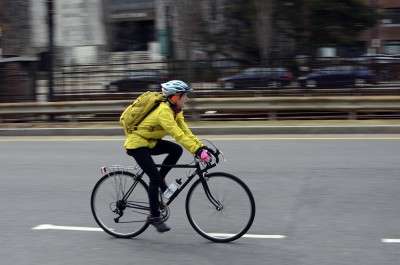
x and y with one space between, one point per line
212 127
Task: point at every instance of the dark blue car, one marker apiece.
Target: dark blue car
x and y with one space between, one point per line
338 76
257 77
140 80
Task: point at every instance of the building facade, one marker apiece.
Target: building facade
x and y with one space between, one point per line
79 29
86 31
385 37
15 28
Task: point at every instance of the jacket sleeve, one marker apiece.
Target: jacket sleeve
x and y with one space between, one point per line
185 128
168 123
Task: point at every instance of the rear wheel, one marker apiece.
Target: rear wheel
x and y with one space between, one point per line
276 84
226 219
120 204
229 85
359 82
311 83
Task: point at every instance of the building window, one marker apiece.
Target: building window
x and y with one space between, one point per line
124 5
392 47
391 16
354 50
132 35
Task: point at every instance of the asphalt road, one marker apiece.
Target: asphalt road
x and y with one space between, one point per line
334 199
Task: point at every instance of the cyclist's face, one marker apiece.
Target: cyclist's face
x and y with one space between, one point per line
181 100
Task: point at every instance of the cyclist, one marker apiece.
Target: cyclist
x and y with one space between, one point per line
146 141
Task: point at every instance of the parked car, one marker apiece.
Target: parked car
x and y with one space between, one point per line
336 76
138 81
257 77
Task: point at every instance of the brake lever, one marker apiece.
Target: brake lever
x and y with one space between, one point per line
217 156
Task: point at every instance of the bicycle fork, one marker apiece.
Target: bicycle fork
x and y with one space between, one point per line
218 206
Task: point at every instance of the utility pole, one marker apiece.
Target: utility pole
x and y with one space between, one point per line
170 35
1 36
1 26
264 9
50 50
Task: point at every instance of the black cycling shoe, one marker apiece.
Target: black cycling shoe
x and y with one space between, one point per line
158 223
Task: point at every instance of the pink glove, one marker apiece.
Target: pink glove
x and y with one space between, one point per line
205 156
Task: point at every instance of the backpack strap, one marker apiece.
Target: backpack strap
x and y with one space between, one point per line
147 114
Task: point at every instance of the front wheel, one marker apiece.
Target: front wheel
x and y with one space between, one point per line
359 82
228 217
275 84
311 83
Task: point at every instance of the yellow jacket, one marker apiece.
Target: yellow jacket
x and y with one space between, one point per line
158 124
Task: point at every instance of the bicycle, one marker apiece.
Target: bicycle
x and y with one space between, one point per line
219 206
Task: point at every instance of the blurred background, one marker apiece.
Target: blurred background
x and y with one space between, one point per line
234 52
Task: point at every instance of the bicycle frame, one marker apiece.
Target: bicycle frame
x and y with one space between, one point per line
202 175
198 172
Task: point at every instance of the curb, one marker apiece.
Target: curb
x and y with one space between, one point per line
225 130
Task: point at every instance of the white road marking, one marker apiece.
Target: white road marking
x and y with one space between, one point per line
390 240
250 236
68 228
94 229
306 138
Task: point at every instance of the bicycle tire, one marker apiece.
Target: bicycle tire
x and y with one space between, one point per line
193 205
104 222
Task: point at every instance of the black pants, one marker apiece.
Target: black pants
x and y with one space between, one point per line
143 157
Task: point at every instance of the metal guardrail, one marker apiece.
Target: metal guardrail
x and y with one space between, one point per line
58 108
385 89
217 108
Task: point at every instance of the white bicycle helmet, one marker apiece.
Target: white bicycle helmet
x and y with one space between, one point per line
174 86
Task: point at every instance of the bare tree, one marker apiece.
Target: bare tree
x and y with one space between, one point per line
229 28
